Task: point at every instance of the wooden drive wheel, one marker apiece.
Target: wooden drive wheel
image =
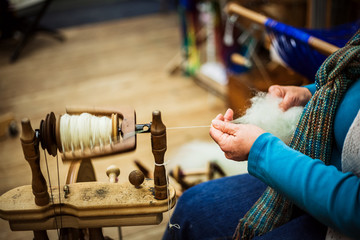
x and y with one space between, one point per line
81 171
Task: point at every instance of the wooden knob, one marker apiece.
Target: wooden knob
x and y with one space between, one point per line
136 178
113 172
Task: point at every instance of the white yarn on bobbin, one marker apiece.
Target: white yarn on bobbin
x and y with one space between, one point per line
84 131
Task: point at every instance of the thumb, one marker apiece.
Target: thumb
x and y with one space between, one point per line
275 91
225 127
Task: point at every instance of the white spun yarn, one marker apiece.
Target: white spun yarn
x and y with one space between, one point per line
84 131
266 114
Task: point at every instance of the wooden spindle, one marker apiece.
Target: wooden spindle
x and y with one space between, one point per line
30 146
158 144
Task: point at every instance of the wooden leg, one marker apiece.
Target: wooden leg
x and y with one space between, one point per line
96 234
40 235
71 234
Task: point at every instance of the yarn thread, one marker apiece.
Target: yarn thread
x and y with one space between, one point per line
168 194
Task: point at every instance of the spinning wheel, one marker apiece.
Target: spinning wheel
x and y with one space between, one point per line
80 171
83 206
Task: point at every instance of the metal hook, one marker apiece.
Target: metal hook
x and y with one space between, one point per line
143 128
139 128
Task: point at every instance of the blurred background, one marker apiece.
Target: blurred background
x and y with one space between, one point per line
190 59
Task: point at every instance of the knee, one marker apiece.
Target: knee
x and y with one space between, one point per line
189 199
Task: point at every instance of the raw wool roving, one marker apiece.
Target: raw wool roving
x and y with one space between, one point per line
266 114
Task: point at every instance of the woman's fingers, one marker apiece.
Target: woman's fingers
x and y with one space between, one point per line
216 134
219 117
225 127
276 91
229 115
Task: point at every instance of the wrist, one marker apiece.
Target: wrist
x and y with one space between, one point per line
311 88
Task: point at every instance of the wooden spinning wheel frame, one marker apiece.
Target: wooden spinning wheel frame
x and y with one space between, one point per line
84 205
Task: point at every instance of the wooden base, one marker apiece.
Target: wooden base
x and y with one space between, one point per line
83 223
88 205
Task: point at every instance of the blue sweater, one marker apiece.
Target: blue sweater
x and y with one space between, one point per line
329 195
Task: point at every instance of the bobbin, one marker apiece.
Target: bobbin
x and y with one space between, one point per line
123 123
49 136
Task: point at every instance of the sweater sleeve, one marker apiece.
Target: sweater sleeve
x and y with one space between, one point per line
323 191
311 88
331 196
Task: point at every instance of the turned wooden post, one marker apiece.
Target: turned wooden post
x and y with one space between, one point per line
158 144
30 146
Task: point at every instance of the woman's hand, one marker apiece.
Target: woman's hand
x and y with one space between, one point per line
292 95
235 140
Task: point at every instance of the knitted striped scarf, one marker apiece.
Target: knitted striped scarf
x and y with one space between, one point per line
313 136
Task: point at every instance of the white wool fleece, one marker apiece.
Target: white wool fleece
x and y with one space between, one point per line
266 114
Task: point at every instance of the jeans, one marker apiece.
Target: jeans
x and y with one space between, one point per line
212 210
